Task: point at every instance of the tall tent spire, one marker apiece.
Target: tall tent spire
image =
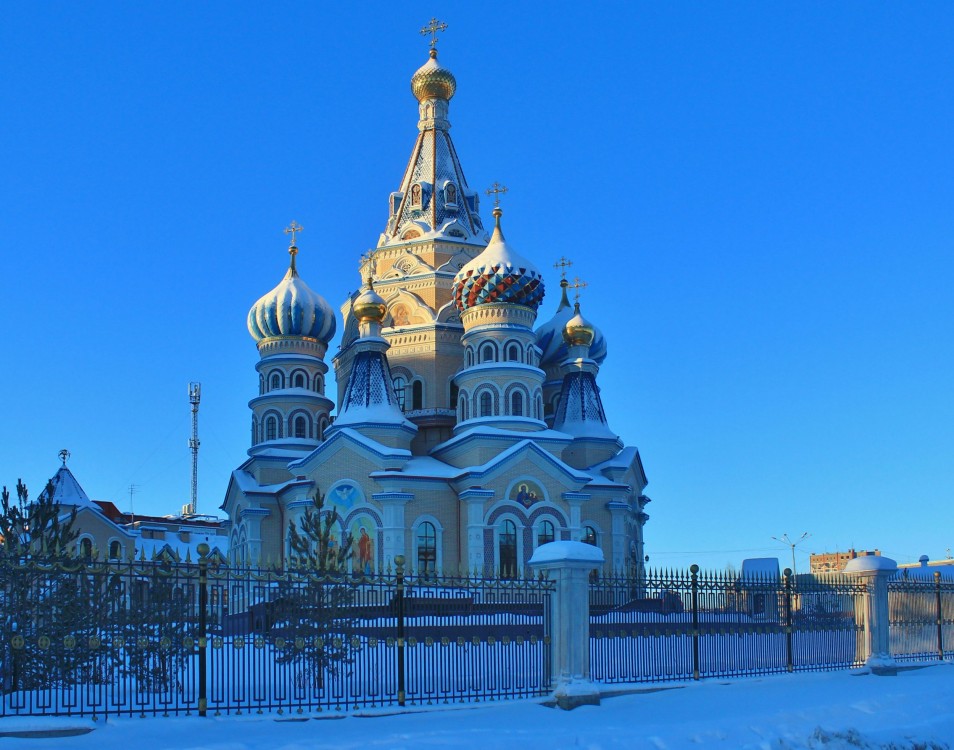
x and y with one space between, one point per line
434 200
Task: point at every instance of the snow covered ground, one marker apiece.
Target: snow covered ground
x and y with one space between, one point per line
830 711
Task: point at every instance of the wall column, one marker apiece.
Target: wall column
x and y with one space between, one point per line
568 565
474 499
393 528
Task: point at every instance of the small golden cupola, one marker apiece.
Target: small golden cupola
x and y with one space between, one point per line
369 306
578 331
433 81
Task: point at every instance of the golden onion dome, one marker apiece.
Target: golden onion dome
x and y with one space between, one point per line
433 81
578 331
369 306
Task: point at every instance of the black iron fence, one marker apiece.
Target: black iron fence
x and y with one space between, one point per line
921 615
156 638
678 625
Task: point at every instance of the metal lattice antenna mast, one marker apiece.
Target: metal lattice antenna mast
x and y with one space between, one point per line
195 390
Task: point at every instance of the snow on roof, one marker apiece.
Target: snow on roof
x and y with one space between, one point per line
68 492
248 483
424 466
339 433
153 547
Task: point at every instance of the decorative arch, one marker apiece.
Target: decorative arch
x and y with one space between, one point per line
535 490
463 407
298 378
516 396
318 385
427 560
299 424
488 352
512 351
272 424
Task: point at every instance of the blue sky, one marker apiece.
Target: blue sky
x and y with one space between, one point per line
758 194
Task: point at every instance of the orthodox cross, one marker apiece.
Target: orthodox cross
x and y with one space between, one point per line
368 259
563 264
496 190
577 285
64 456
294 228
432 28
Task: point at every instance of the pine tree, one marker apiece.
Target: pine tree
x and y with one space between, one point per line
311 615
43 603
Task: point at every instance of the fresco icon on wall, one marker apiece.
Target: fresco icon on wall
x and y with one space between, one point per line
526 493
363 532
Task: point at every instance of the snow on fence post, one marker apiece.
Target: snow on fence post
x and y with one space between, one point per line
875 571
568 565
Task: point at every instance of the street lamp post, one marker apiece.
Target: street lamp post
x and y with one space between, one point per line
784 539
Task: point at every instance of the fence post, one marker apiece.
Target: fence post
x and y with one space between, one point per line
399 605
789 660
568 565
940 615
694 570
203 550
875 571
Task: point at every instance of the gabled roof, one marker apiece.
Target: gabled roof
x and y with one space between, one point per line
515 453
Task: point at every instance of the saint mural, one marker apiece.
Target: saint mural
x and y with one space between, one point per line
526 493
363 533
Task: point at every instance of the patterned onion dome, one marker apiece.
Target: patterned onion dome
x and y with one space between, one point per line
550 337
369 306
292 309
498 274
433 81
578 331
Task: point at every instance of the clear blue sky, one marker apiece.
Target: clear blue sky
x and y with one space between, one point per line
759 194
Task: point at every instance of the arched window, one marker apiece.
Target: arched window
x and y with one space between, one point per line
115 550
486 404
545 533
426 549
450 194
416 195
516 404
513 353
317 385
589 535
301 427
261 384
464 408
400 386
470 357
417 395
86 547
271 428
539 407
507 548
487 353
254 431
299 380
276 381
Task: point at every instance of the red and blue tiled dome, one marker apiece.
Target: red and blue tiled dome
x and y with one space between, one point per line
498 274
292 309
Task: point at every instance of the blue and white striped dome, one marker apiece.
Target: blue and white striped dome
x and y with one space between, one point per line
292 309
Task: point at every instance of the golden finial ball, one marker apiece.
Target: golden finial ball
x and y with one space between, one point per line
433 81
578 331
369 307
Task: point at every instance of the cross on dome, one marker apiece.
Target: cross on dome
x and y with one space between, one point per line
577 285
292 229
64 456
496 190
432 28
563 264
368 260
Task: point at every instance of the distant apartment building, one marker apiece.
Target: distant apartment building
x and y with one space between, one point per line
835 562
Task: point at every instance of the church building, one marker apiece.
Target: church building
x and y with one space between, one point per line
464 436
